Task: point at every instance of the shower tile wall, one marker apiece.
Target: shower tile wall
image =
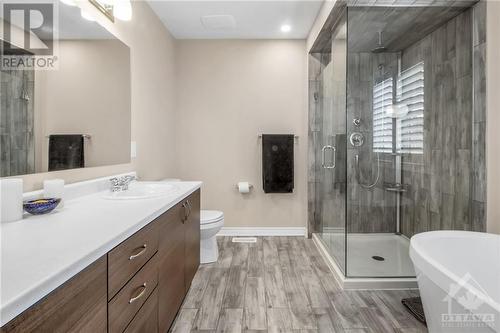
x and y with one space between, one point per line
17 155
447 182
369 210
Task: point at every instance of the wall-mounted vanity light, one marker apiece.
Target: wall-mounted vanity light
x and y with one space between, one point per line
106 7
119 9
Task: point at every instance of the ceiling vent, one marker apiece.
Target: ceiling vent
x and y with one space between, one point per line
218 22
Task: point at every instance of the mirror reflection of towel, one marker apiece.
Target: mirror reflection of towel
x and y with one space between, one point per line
66 151
277 163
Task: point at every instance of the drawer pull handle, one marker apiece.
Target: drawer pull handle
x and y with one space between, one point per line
138 254
141 293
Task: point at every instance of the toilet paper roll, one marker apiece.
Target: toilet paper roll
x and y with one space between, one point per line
54 188
244 187
11 197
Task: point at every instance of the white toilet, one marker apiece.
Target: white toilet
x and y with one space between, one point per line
211 222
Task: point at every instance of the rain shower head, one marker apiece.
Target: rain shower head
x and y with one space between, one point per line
380 48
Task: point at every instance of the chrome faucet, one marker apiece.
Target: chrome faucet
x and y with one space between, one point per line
119 184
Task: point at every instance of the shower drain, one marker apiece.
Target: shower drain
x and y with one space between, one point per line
378 258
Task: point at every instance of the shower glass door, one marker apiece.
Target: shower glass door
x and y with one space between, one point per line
331 147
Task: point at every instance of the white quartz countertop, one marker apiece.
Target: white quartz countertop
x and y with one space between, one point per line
40 253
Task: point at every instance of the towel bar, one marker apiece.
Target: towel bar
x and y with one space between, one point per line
85 136
295 136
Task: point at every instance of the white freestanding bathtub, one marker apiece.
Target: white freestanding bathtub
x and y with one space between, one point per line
458 274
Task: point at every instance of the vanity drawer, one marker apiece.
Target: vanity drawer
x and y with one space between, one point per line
128 257
123 307
146 320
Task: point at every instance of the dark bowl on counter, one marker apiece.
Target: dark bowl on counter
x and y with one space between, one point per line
41 206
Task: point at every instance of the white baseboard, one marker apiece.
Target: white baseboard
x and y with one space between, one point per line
263 231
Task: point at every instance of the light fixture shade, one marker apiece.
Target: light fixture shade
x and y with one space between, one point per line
122 10
68 2
86 15
107 2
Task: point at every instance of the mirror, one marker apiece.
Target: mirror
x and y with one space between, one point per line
104 7
67 108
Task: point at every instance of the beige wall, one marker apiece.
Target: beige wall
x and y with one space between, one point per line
152 99
493 115
230 91
88 94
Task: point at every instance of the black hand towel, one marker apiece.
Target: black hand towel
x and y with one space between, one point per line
277 163
66 152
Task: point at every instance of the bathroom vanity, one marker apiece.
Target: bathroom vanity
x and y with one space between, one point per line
137 281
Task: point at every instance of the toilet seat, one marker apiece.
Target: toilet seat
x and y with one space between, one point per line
210 216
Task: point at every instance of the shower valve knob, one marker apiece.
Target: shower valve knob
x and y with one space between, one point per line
357 139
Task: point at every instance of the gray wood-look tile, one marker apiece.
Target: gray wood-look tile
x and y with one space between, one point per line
279 320
17 150
450 173
285 298
184 323
255 304
211 303
479 23
198 286
230 321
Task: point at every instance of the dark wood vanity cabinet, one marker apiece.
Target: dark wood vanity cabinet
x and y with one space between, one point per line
179 254
137 287
171 266
192 239
79 305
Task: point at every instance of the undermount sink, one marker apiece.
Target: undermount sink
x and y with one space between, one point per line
142 190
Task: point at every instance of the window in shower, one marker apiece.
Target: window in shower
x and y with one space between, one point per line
407 108
410 122
382 122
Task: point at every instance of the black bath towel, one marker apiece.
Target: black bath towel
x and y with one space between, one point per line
66 152
277 163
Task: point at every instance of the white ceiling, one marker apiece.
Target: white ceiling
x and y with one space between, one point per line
254 19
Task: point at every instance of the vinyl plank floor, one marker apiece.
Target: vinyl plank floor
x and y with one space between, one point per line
283 285
230 321
255 304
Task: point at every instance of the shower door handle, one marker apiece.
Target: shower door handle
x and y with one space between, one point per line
323 152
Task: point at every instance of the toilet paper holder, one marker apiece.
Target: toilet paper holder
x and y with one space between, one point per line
249 186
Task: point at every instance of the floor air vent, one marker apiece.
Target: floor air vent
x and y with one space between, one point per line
244 240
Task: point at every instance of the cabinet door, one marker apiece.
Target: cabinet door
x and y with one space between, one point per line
192 236
171 289
79 305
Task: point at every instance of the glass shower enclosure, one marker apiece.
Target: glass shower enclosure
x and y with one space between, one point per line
396 119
